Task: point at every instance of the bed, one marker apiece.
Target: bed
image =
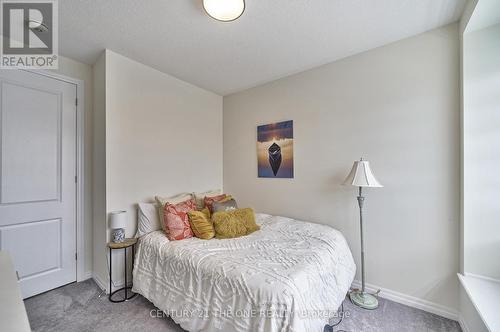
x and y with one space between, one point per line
289 276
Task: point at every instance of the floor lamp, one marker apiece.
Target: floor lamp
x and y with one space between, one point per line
361 176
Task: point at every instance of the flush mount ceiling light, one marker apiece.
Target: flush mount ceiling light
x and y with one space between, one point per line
224 10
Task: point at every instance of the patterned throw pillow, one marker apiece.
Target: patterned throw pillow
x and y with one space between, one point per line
209 201
176 220
200 197
162 201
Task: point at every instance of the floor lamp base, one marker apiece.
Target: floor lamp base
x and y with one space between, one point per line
363 300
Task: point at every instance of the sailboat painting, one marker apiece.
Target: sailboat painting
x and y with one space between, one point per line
275 150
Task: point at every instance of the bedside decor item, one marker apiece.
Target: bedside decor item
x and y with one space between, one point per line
362 176
122 245
118 222
275 150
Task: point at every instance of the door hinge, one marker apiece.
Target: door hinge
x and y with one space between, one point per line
76 179
17 274
76 101
76 256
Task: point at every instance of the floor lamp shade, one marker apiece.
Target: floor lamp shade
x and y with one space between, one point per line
361 175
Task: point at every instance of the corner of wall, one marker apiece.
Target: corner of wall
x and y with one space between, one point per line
99 170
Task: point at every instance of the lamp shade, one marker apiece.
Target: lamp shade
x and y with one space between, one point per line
117 219
361 175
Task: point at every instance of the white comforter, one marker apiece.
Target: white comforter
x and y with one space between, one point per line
289 276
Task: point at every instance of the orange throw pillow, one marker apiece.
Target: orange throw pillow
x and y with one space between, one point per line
176 219
209 201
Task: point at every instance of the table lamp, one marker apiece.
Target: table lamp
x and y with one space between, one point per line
361 176
118 222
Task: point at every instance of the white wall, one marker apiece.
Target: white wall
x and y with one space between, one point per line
482 152
99 169
81 71
163 137
397 106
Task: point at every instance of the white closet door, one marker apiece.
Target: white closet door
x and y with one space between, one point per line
37 178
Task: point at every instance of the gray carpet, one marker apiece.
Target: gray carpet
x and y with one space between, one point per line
78 307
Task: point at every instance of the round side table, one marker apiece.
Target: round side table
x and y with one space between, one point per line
121 245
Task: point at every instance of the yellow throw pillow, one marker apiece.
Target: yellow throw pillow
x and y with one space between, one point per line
235 223
201 224
248 217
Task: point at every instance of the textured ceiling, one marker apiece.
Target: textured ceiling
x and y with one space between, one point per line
273 38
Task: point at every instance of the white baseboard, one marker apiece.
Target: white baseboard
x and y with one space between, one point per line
100 283
119 283
411 301
86 275
463 324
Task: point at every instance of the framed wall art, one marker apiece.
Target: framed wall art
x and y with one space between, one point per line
275 150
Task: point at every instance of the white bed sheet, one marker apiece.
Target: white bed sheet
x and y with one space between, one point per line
289 276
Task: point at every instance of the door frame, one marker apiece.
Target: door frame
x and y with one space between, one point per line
81 274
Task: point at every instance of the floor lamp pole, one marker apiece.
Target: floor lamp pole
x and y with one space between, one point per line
361 201
360 297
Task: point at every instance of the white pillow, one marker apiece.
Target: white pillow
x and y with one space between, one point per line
174 199
147 219
162 200
199 197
